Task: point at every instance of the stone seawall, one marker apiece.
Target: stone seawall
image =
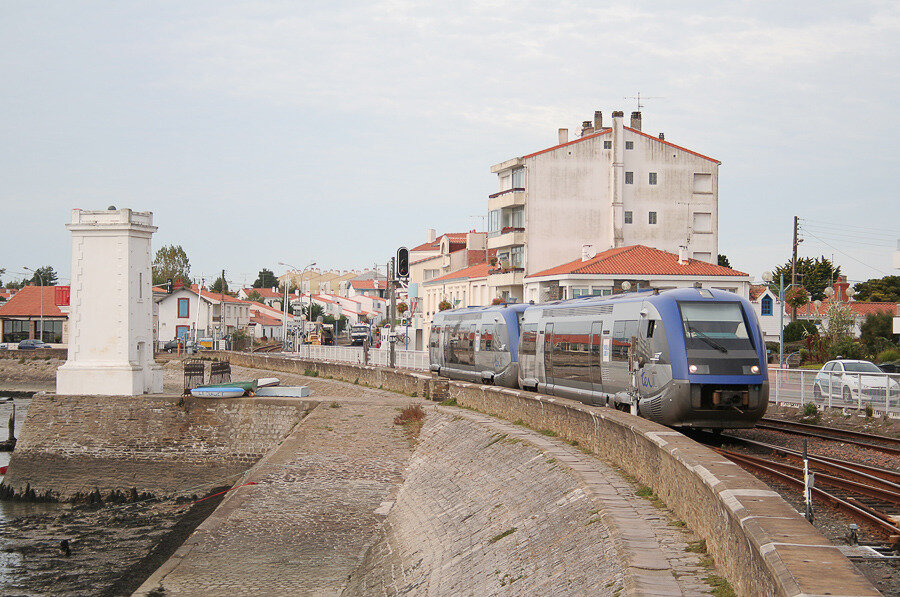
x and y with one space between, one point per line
762 544
73 445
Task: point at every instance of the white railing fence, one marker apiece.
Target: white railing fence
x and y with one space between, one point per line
880 392
403 359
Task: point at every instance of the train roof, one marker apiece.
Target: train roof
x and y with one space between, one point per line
654 295
517 307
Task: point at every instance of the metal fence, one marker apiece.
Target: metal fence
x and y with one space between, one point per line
881 392
404 359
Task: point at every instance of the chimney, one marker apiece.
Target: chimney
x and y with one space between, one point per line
618 114
840 289
662 136
682 255
563 136
636 121
588 252
598 120
432 234
586 128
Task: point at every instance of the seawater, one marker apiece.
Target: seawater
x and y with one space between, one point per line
10 510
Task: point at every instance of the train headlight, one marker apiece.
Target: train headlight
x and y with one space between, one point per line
699 369
692 368
754 369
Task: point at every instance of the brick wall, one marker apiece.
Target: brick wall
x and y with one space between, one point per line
75 444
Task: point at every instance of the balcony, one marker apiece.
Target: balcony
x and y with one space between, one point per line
510 276
507 236
508 198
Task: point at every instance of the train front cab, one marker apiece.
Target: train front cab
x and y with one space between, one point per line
718 366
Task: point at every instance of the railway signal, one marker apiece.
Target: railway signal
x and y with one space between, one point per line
403 263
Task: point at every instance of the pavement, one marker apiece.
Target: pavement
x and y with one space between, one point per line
348 504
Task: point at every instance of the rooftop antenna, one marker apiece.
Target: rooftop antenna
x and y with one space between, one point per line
638 97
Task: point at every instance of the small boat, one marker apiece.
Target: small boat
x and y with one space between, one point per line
218 392
284 392
267 382
248 386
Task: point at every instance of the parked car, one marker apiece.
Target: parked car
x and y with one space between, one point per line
171 345
32 344
845 379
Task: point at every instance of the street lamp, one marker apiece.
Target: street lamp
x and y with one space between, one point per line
284 320
41 278
767 276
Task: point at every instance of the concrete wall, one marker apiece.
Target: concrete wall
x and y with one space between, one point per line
763 545
75 444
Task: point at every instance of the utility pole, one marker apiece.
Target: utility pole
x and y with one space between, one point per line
794 269
222 308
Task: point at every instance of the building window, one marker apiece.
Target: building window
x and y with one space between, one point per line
181 331
184 307
518 178
607 145
505 181
629 178
15 330
702 183
653 217
494 222
702 222
517 256
653 178
703 256
629 217
629 144
765 306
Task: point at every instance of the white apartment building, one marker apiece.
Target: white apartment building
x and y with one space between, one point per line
610 187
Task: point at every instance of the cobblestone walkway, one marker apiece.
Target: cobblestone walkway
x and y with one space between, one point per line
318 502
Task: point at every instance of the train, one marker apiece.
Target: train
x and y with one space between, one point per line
689 357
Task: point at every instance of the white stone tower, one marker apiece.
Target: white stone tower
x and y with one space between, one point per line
111 308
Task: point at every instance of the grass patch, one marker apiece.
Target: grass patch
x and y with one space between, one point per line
696 546
412 417
310 373
548 432
720 586
678 523
643 491
448 402
519 422
505 533
573 443
334 405
414 395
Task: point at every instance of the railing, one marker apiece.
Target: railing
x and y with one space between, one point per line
512 190
878 391
404 359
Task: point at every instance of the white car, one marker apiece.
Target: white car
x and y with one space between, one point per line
845 379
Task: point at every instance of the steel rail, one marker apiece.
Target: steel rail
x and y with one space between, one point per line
834 438
877 493
861 513
833 430
861 472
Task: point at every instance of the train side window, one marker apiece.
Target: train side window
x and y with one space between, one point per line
528 344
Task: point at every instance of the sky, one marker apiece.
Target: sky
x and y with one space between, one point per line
289 131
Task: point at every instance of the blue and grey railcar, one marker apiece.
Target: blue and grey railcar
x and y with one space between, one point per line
477 344
686 358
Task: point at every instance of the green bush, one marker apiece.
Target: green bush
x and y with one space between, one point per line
886 356
797 330
848 349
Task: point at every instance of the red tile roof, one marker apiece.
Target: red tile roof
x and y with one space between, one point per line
475 271
456 238
859 309
641 261
27 303
757 290
264 319
368 284
266 292
214 296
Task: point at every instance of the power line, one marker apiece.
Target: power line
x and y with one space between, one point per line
846 255
891 231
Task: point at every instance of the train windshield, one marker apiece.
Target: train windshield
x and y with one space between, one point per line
718 326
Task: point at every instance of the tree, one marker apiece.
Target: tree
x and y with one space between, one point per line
171 262
885 290
814 274
254 297
838 323
220 285
798 330
44 276
2 271
312 311
266 279
877 332
723 261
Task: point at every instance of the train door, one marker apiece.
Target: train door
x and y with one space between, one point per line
548 353
596 352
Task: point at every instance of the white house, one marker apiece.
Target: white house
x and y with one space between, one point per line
614 186
187 313
640 266
766 304
271 297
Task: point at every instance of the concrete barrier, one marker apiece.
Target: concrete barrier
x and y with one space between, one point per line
761 543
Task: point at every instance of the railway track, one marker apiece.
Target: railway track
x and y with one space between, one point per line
869 494
882 443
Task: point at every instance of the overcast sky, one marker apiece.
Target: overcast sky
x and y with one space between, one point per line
267 131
